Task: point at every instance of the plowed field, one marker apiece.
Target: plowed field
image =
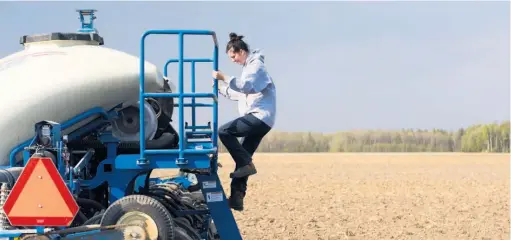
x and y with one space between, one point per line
375 196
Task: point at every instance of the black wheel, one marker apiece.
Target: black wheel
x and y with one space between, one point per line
182 234
143 209
184 225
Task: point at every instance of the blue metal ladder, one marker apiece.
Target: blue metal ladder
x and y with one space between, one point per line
191 154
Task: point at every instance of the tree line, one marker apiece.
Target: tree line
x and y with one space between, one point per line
492 137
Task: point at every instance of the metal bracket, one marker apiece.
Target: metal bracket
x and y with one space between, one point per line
87 24
181 161
143 161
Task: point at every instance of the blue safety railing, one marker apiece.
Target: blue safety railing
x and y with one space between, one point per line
193 105
180 94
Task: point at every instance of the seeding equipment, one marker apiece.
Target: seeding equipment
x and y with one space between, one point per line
87 134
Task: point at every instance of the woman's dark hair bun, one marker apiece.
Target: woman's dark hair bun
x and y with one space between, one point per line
236 44
235 37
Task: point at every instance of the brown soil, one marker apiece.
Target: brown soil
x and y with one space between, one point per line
375 196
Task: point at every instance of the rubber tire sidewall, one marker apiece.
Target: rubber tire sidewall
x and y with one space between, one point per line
148 205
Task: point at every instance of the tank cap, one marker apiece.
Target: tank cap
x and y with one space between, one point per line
86 33
87 19
62 36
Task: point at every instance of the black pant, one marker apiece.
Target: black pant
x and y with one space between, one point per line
252 130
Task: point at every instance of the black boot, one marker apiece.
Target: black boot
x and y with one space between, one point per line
236 200
244 171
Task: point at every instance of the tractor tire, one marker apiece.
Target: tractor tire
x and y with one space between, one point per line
161 225
185 226
182 234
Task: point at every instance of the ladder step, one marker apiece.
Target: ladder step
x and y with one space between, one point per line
199 145
196 105
197 60
199 140
198 127
176 151
199 133
186 95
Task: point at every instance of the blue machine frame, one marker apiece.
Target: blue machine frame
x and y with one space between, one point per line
195 155
200 157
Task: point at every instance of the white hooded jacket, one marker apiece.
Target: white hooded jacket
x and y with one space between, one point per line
254 91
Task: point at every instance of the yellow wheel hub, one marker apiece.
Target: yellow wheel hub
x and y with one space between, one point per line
141 219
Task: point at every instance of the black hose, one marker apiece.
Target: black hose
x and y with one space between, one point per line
10 175
90 203
94 220
82 216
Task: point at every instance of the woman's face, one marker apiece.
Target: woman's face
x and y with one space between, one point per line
237 57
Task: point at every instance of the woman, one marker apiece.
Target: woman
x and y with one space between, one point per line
256 96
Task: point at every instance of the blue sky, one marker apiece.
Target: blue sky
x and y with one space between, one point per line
384 65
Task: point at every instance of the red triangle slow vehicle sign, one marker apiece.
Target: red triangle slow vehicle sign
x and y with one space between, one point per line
40 197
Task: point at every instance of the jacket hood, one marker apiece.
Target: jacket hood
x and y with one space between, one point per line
255 54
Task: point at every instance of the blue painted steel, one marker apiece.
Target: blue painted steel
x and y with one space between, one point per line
118 171
214 195
162 160
118 183
181 98
101 175
57 144
198 127
186 95
180 94
87 26
215 111
200 132
64 126
92 126
193 99
195 105
140 182
85 234
13 233
175 151
190 154
180 180
197 60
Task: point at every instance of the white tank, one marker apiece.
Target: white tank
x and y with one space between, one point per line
58 76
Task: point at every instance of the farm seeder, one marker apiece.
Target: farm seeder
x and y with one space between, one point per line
83 128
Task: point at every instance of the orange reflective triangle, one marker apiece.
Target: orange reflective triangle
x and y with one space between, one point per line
40 197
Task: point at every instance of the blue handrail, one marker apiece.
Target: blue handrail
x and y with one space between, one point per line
197 60
193 105
181 60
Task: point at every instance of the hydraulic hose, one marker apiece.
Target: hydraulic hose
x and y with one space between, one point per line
90 203
10 175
